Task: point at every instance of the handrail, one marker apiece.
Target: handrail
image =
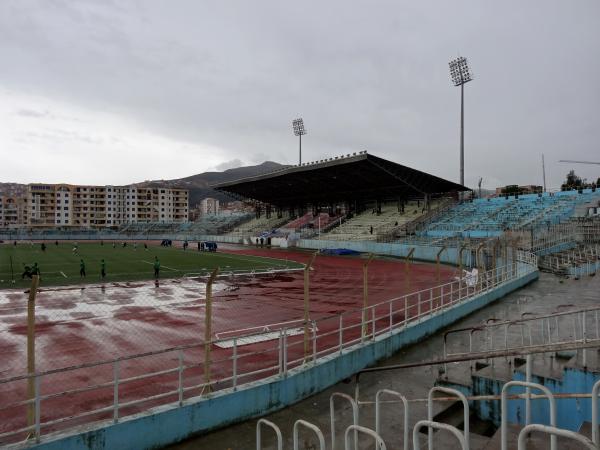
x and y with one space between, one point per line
274 427
553 431
595 393
440 426
354 406
466 413
504 406
522 322
590 343
312 427
379 444
378 413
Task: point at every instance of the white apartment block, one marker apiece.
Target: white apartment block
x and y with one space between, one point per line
209 206
64 205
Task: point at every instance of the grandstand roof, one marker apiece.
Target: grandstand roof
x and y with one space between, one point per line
353 177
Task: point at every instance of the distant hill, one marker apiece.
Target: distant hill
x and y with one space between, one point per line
198 185
12 189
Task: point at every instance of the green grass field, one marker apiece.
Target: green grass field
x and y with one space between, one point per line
60 266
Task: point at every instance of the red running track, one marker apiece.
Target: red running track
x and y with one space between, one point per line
77 326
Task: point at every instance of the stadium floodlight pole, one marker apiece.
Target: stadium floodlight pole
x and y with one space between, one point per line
543 172
461 74
299 130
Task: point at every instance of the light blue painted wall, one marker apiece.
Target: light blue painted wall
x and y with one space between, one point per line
584 269
422 252
571 413
166 425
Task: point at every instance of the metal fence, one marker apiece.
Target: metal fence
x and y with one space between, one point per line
462 436
116 388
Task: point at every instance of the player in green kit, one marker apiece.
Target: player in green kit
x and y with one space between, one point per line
156 267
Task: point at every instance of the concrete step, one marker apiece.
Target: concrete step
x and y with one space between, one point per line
452 415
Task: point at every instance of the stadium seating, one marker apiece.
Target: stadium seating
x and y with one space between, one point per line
359 226
207 225
309 225
148 228
299 223
258 225
215 224
491 217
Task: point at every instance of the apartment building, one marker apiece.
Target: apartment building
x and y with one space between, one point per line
12 210
209 206
63 205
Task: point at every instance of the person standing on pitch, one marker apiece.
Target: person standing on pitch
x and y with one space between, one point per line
26 272
102 269
156 267
81 269
35 270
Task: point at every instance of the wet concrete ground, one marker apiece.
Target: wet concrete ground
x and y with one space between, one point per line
540 297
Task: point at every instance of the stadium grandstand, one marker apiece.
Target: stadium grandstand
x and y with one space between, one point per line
358 196
351 181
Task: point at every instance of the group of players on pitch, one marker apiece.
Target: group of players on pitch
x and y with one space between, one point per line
30 271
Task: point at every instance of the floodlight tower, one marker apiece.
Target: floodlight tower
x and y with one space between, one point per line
299 130
461 74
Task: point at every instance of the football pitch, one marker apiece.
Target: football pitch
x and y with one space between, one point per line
60 265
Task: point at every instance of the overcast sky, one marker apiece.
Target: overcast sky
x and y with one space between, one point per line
113 92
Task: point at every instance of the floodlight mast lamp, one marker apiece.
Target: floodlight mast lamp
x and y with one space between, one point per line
299 130
461 74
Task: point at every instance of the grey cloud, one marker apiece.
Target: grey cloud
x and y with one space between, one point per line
31 113
363 75
229 165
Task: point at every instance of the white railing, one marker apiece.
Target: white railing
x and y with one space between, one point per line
464 436
315 429
379 444
595 433
354 407
554 432
504 409
466 412
378 413
235 363
271 425
559 327
438 426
